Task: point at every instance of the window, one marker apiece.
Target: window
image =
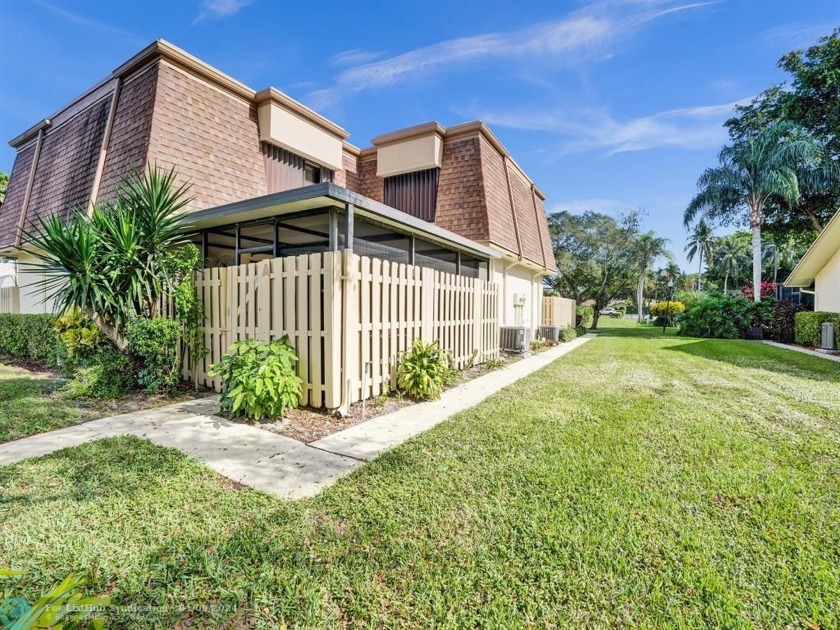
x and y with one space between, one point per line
285 170
413 193
311 174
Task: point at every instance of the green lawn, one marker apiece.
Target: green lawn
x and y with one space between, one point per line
27 406
640 481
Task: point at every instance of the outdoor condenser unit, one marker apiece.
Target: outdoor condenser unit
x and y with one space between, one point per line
515 338
550 333
827 337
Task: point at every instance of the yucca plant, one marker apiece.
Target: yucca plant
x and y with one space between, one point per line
113 264
425 370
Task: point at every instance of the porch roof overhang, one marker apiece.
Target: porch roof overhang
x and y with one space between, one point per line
329 195
821 251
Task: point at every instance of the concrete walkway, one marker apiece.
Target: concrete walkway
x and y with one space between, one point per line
813 353
273 463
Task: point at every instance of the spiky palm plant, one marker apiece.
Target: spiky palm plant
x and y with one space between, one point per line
114 263
701 242
772 163
729 258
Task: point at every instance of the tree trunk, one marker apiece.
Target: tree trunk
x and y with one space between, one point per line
595 317
756 247
110 331
726 283
641 298
700 273
813 218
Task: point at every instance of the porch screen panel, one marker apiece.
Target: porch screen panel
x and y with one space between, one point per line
413 193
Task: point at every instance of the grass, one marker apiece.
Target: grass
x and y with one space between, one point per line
642 480
27 406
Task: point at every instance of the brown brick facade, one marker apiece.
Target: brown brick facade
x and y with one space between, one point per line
10 210
370 185
461 206
209 136
129 143
348 177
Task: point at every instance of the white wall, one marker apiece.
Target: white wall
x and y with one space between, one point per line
827 286
31 298
522 280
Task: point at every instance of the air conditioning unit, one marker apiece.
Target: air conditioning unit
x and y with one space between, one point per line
515 338
549 333
827 337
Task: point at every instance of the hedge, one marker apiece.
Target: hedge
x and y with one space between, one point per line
808 324
25 336
585 315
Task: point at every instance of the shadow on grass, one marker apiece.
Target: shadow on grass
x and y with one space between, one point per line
753 354
625 329
25 387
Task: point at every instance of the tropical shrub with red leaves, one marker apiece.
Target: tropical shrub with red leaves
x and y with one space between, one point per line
768 290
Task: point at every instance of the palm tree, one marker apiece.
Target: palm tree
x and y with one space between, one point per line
729 257
700 242
649 247
116 263
767 165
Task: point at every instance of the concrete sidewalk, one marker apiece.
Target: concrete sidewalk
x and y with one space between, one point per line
273 463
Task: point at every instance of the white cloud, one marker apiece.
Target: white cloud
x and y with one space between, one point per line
220 9
583 34
596 130
86 22
796 35
353 57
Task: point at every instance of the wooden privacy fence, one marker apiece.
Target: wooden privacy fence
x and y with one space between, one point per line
348 317
558 311
9 300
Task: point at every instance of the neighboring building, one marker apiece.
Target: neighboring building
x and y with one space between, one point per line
271 178
819 268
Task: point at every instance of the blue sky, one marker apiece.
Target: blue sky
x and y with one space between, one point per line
607 105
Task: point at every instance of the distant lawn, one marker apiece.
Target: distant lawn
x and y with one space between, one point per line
641 480
27 406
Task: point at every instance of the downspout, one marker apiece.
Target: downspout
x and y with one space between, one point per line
103 151
31 182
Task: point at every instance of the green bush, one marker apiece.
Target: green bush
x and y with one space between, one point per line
104 373
425 370
580 330
671 309
30 337
154 343
78 334
808 326
719 316
585 315
567 334
259 379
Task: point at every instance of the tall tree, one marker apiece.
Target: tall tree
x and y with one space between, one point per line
731 255
596 256
4 184
701 242
765 166
649 247
812 101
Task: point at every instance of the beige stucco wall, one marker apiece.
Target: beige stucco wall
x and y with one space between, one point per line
827 286
288 130
31 297
517 280
409 155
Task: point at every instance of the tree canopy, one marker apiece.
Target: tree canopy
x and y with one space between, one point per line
4 184
811 101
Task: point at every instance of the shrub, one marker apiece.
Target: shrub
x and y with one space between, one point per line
768 290
669 309
580 330
782 325
154 343
259 379
30 337
567 334
719 316
78 334
808 326
585 315
425 370
689 298
102 374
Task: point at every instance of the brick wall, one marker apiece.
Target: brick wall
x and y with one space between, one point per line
499 213
370 185
10 210
461 197
129 142
526 219
211 137
349 175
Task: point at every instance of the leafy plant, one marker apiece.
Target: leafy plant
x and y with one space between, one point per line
259 379
538 345
666 309
29 336
105 373
425 370
783 321
567 334
580 330
189 311
808 326
63 607
79 335
724 317
493 364
116 263
585 315
154 342
768 290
